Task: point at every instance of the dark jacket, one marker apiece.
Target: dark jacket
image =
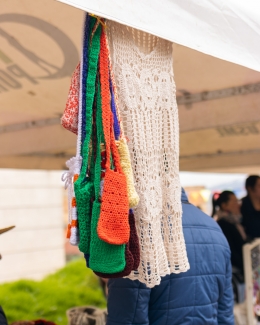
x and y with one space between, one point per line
251 218
3 320
235 241
201 296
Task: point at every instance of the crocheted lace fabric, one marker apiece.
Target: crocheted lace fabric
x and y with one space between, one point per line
142 65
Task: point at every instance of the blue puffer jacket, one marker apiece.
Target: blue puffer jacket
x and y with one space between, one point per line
201 296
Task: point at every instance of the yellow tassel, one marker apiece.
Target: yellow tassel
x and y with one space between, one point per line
127 169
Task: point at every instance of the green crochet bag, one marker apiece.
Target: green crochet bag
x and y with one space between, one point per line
84 187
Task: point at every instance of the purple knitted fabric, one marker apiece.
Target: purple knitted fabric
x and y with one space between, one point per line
84 74
113 108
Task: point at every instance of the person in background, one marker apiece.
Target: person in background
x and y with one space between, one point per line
250 208
203 295
226 211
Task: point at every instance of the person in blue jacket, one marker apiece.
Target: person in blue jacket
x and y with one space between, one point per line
201 296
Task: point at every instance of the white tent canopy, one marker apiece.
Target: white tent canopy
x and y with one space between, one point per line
218 101
219 109
226 29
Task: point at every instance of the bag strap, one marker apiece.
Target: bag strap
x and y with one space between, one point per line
117 130
99 137
114 95
89 24
107 116
94 51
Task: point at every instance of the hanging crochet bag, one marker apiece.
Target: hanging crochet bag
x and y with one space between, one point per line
104 257
72 118
84 187
113 224
125 162
132 253
69 119
132 249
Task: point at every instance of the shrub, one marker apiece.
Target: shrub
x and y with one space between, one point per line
74 285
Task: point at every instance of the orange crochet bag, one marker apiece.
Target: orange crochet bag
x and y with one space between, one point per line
113 224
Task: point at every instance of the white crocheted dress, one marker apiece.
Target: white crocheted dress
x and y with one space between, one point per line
143 69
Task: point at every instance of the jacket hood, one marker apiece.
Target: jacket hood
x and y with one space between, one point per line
184 197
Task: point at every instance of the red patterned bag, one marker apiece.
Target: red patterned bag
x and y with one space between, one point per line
69 118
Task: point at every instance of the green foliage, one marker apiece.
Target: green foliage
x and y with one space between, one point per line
74 285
